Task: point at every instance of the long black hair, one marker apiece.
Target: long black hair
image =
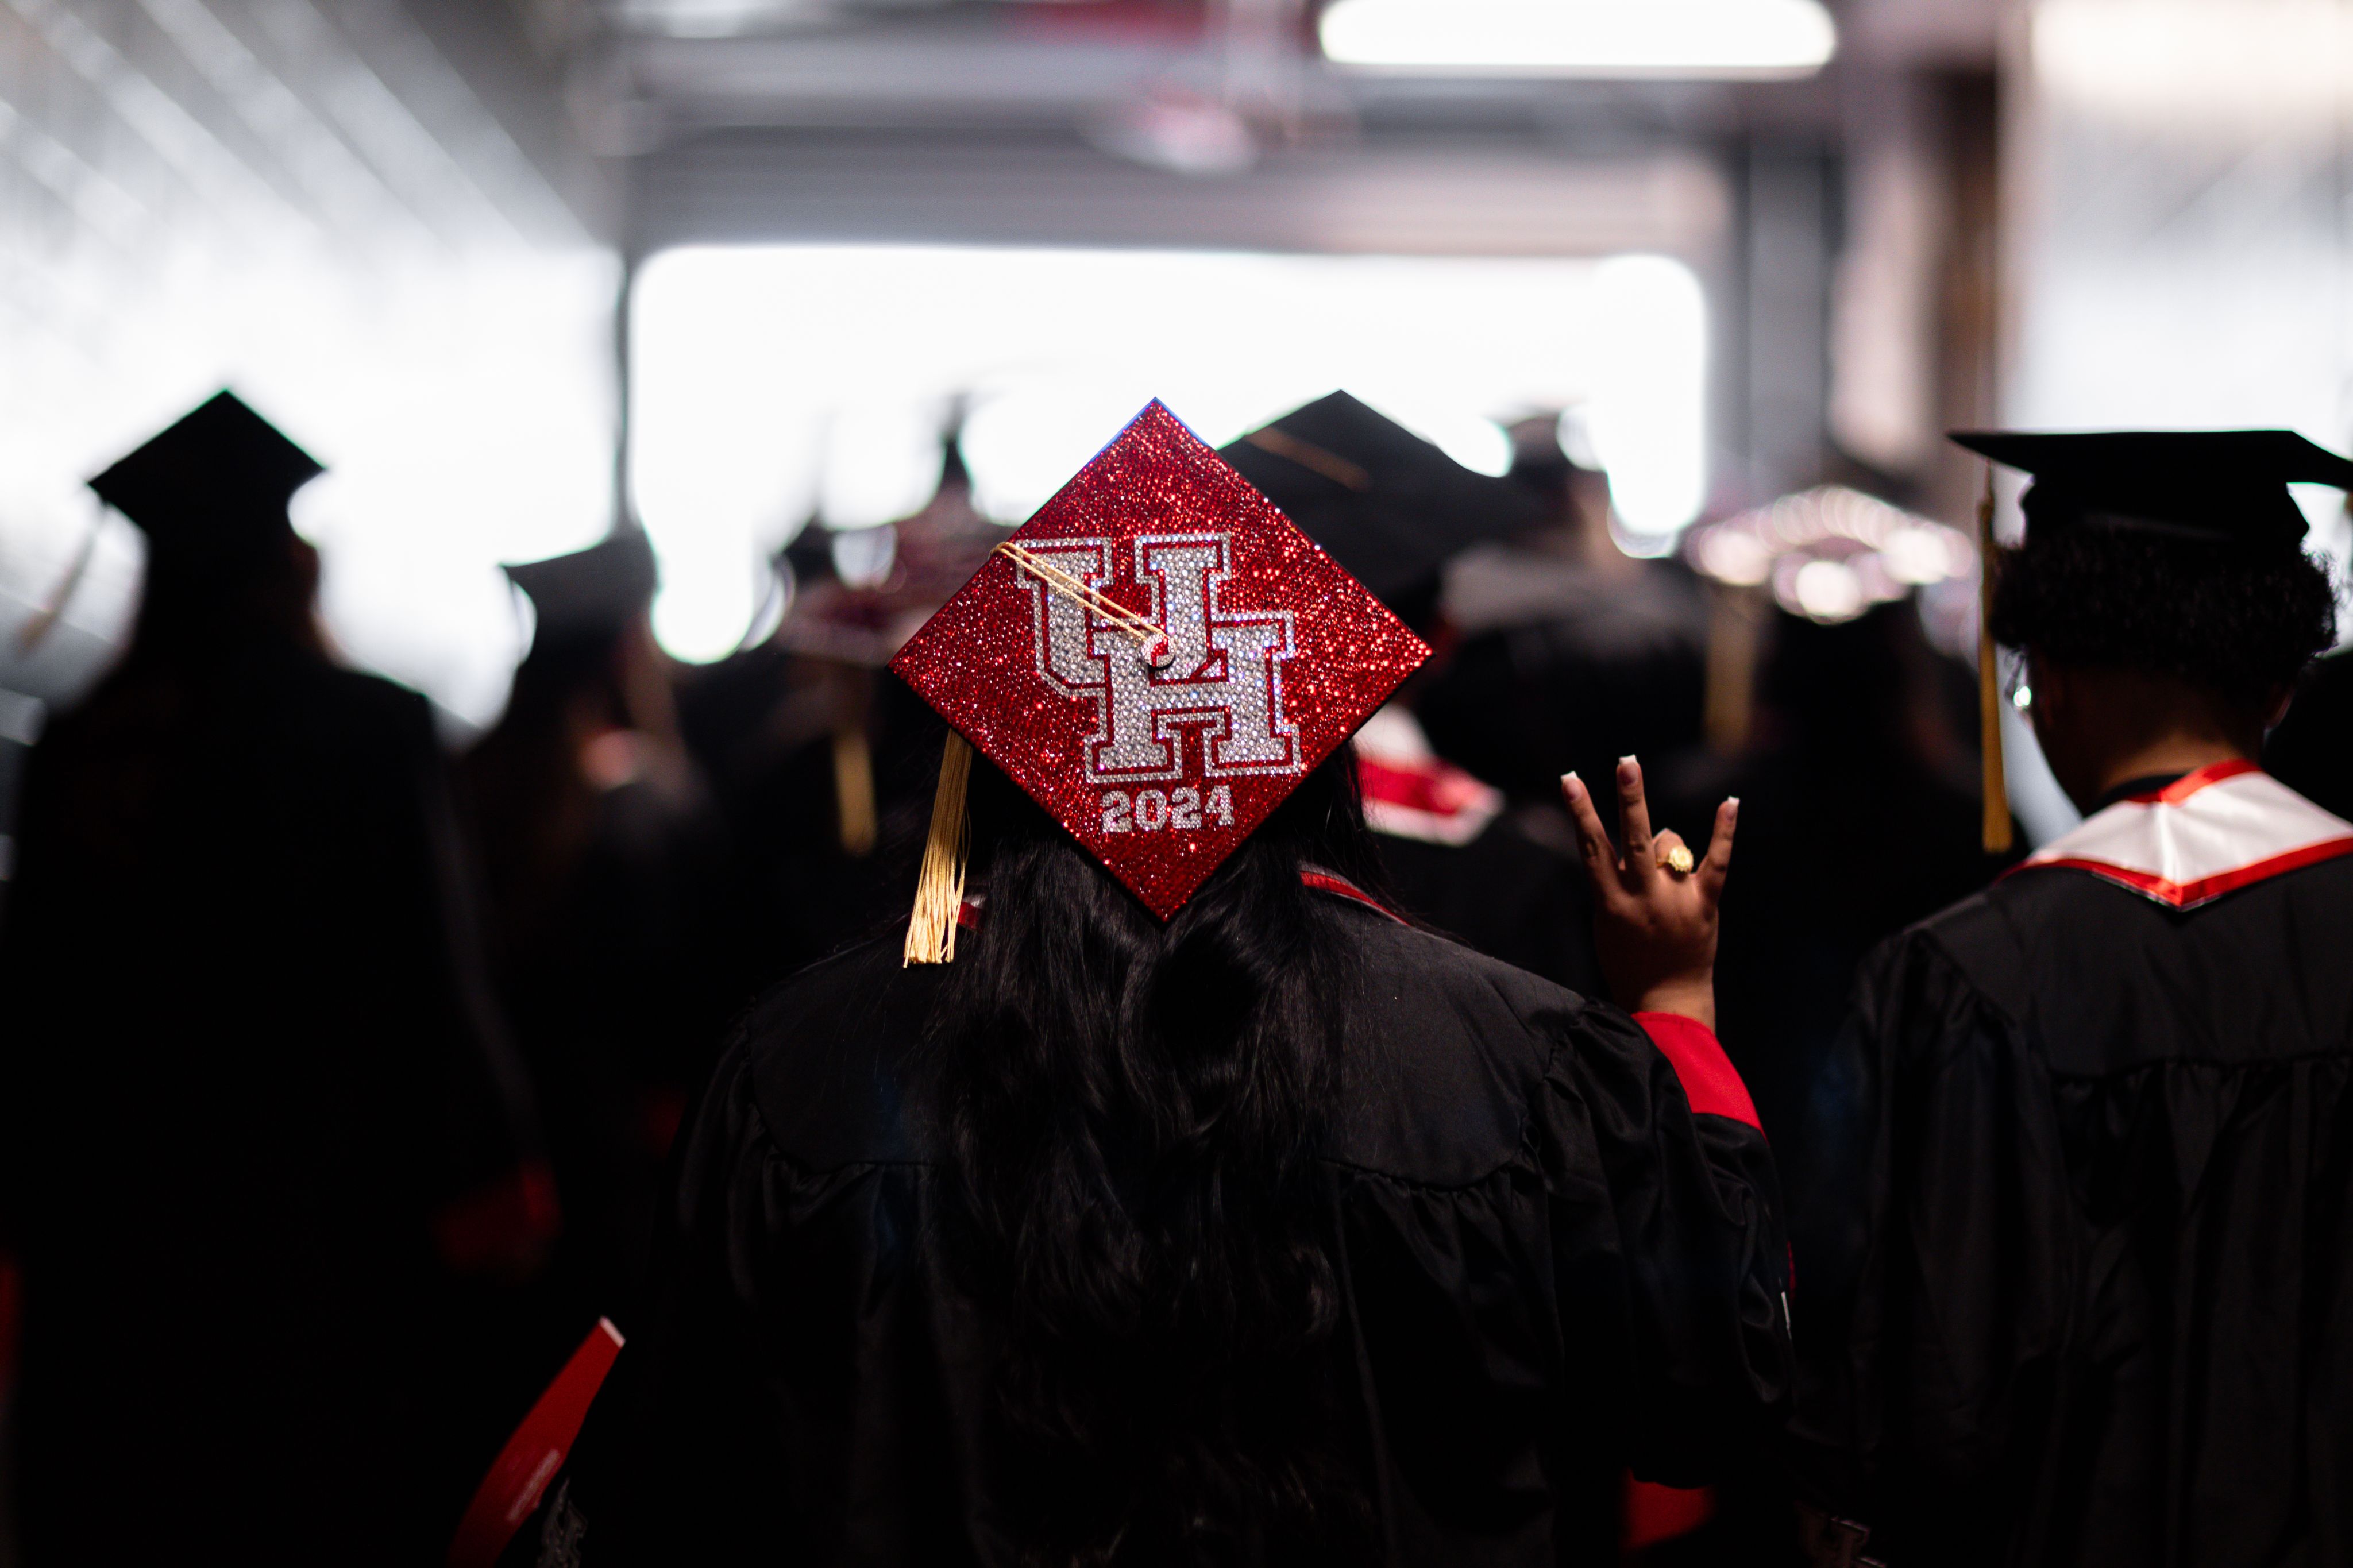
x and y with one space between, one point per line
1131 1110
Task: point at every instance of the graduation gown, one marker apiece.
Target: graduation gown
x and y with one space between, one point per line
609 967
1558 1244
252 1101
607 960
2076 1247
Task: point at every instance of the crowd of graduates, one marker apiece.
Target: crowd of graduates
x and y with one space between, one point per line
344 1079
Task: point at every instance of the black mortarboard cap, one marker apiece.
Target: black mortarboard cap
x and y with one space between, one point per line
2229 486
1389 507
594 591
214 486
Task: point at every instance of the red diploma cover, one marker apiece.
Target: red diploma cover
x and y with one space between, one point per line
535 1452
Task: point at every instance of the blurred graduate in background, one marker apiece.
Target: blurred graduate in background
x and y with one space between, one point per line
603 858
1844 732
2081 1277
257 1119
1847 737
1393 510
821 763
2311 751
1572 654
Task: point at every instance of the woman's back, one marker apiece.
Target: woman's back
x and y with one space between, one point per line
1545 1265
1186 1207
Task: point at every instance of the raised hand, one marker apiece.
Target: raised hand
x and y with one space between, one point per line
1655 919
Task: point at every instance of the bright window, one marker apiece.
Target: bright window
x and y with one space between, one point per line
773 382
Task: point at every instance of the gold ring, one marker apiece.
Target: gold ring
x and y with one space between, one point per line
1678 859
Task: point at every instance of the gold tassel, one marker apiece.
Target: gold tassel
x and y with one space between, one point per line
939 888
1996 781
853 789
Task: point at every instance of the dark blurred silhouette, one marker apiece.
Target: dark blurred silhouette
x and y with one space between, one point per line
257 1121
823 763
1858 816
1393 510
603 858
2311 750
1573 654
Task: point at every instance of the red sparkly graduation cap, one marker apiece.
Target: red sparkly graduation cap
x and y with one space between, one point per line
1158 657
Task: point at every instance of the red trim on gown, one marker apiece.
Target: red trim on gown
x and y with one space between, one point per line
1710 1081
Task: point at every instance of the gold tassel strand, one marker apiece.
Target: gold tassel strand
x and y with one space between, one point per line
939 888
1995 779
853 789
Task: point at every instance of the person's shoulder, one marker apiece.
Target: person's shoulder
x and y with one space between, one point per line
378 696
2067 962
832 1054
2324 889
1979 925
2040 909
1404 961
1971 950
344 709
1447 1053
2120 979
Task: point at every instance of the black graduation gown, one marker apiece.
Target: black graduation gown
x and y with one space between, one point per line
612 1002
609 970
248 1083
1552 1269
1838 850
2083 1287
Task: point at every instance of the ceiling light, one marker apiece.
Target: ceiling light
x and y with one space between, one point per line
1687 39
2274 66
1827 591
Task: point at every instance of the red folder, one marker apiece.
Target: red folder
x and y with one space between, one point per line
536 1451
